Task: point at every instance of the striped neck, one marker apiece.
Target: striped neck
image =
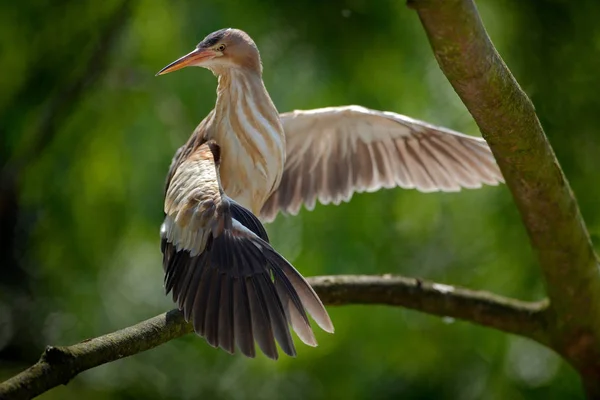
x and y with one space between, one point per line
245 113
246 126
243 92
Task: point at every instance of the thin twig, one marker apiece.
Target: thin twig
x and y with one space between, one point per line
58 365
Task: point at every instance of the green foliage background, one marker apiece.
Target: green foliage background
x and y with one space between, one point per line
86 136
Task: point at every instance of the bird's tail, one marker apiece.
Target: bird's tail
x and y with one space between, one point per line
239 289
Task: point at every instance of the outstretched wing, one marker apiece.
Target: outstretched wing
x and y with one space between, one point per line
223 273
337 151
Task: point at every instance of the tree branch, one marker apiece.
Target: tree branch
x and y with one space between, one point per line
58 365
508 122
484 308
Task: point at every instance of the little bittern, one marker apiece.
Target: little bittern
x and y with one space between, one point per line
246 159
222 271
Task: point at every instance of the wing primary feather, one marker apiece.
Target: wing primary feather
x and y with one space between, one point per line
401 175
459 170
386 174
201 301
482 168
446 173
172 271
186 281
320 175
276 314
309 298
422 180
295 200
308 189
407 162
287 287
201 265
226 330
366 169
261 325
336 174
487 158
180 271
430 165
211 321
294 311
285 193
467 158
242 323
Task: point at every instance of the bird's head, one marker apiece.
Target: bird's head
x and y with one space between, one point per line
220 52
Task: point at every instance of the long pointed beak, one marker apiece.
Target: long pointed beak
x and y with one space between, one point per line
194 58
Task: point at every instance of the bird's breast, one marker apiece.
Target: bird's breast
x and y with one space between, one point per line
251 168
252 141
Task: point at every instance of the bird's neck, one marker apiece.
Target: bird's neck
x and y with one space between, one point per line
244 112
242 95
246 125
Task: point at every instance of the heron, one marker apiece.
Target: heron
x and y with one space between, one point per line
245 163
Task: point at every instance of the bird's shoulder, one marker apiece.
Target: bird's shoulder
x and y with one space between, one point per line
194 180
198 138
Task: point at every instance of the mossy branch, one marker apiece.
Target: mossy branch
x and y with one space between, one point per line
58 365
548 208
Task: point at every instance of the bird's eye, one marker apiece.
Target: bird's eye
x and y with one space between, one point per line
221 47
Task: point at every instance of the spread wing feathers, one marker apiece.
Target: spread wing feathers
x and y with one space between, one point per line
334 152
222 272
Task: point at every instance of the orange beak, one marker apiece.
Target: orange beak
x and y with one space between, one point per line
196 57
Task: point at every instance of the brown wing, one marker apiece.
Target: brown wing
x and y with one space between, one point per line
335 152
222 271
197 139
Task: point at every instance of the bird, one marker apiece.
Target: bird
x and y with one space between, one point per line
223 273
278 162
271 162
